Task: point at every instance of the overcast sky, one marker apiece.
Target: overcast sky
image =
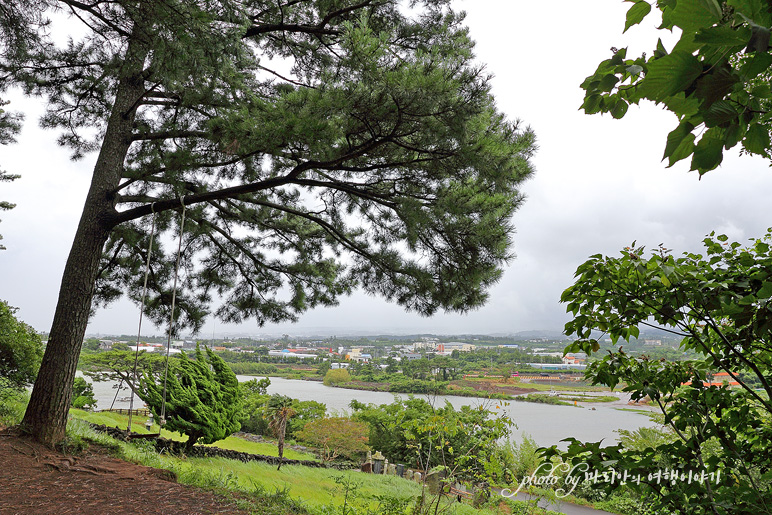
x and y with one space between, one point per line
599 185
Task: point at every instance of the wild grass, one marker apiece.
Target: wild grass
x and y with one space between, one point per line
12 406
588 398
259 487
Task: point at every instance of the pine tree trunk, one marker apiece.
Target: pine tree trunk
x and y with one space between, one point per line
46 415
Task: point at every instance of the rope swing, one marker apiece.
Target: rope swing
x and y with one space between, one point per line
162 421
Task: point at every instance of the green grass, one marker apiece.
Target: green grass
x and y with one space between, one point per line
588 398
564 388
12 406
259 487
232 443
542 398
636 410
256 487
316 487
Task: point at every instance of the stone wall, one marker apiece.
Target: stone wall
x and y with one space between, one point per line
202 451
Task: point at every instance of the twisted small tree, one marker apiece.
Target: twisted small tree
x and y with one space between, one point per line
202 398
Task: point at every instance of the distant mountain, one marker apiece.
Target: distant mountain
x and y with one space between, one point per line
551 335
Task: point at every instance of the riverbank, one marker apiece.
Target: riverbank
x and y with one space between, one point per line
528 389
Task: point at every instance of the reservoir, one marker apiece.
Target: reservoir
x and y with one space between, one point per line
545 423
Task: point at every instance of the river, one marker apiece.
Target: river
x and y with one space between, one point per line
546 424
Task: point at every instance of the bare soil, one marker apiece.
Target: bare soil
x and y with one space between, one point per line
37 480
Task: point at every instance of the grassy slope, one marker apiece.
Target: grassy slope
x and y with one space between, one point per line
294 490
231 443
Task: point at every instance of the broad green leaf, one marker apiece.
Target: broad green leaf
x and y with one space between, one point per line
755 10
709 151
719 113
660 51
759 41
714 8
690 15
675 138
758 64
634 69
757 139
683 106
591 104
608 82
670 75
764 91
683 150
619 109
716 84
765 291
637 13
732 136
724 35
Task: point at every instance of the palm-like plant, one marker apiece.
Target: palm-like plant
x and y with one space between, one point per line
278 411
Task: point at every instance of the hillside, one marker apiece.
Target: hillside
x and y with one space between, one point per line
36 480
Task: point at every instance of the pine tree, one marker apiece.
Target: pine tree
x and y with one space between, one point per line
201 399
318 146
9 126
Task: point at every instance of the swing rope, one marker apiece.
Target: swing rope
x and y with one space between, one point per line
171 313
162 421
141 312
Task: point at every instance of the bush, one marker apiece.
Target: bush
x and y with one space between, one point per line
336 376
20 351
336 436
83 394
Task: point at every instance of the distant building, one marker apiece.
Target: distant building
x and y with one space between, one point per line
720 379
550 354
288 353
574 358
153 347
459 346
652 343
357 355
558 366
425 344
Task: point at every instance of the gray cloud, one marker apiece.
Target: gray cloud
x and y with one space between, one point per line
599 185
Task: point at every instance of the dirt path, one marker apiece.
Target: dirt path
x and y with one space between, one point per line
35 480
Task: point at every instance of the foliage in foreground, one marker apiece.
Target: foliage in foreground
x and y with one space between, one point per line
20 352
420 435
716 79
721 305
